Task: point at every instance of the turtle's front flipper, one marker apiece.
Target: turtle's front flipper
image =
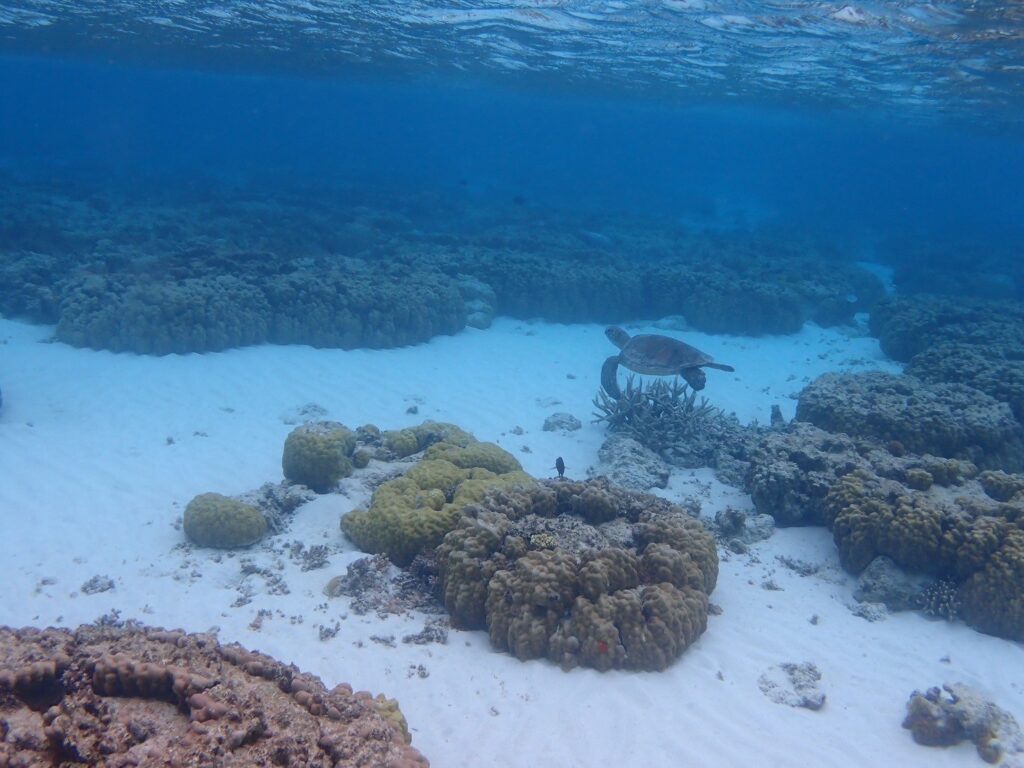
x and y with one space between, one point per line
720 366
608 380
695 377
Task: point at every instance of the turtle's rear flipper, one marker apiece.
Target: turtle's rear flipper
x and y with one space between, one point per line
608 379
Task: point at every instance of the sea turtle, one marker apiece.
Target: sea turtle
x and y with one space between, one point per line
656 355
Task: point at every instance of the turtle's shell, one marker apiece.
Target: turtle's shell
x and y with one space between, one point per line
660 355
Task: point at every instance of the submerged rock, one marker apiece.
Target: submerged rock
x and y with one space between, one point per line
561 421
626 462
885 582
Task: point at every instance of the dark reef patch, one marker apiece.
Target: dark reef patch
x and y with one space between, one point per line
158 276
130 695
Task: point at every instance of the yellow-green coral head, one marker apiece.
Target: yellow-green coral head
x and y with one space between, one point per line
318 454
213 520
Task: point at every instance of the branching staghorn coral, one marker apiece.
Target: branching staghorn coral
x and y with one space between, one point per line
664 416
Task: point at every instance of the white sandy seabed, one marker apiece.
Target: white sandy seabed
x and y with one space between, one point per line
100 452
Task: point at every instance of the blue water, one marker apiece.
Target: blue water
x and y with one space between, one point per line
891 133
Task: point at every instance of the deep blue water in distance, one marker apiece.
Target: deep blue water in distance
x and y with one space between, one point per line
825 170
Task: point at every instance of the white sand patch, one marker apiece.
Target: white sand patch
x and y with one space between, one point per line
100 453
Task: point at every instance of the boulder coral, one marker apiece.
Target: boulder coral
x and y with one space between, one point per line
414 512
975 543
928 514
401 443
213 520
966 341
318 454
162 276
344 303
581 573
140 696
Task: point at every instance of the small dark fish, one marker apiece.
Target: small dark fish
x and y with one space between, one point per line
560 466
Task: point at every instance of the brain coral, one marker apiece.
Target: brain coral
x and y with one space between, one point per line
318 454
551 574
135 696
213 520
413 512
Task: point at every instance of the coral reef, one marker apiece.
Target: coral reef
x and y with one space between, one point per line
957 712
413 512
347 303
213 520
972 543
967 341
879 500
159 275
951 420
870 516
749 291
474 455
996 370
581 573
793 469
135 696
400 443
318 454
906 326
738 529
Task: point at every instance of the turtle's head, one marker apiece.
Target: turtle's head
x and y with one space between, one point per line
616 336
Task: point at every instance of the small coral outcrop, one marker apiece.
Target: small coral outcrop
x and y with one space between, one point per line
318 454
414 512
213 520
581 573
401 443
956 713
951 420
973 545
1002 486
140 696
